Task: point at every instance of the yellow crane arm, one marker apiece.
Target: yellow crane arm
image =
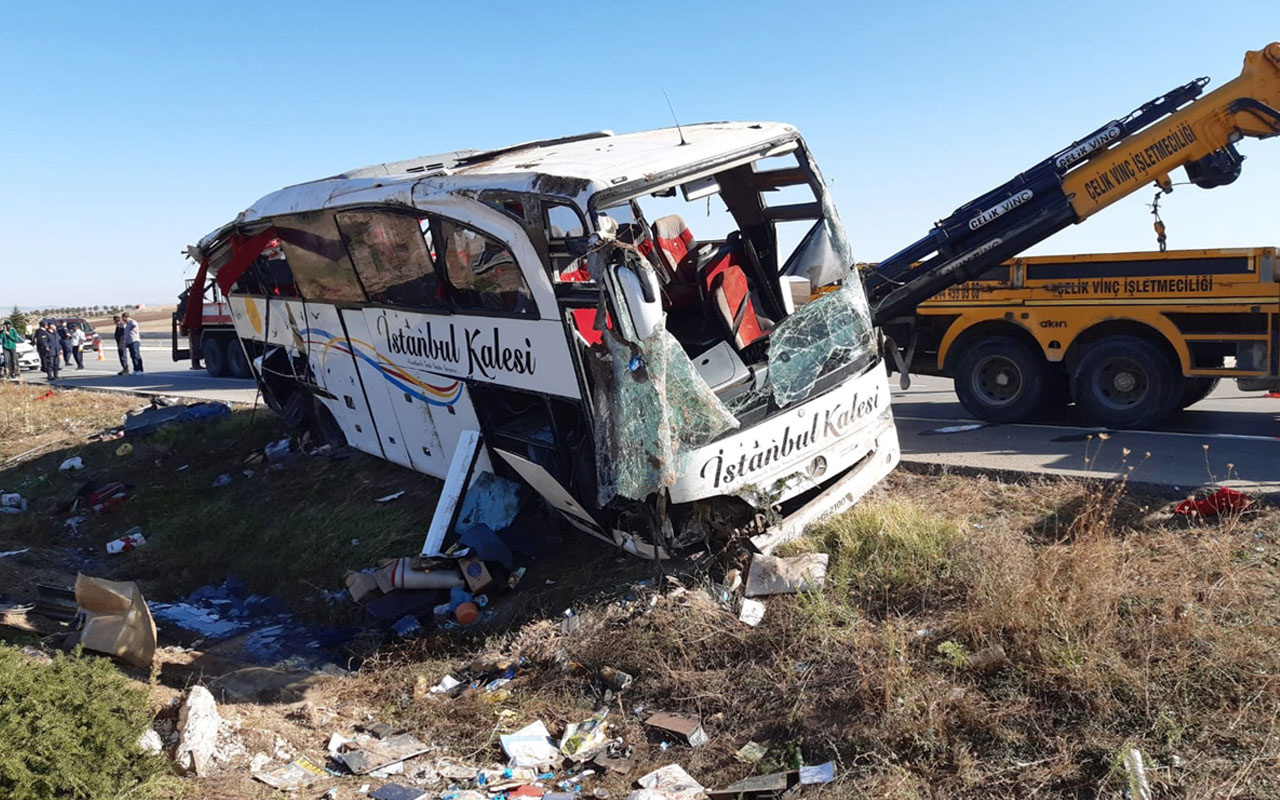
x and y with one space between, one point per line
1198 137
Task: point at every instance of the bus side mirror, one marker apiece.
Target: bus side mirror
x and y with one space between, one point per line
640 292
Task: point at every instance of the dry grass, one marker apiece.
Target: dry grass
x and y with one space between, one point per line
1122 628
32 423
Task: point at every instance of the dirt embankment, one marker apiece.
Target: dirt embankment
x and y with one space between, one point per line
974 638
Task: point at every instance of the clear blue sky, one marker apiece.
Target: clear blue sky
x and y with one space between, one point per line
130 130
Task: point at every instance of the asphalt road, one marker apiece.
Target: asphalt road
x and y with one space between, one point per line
161 375
1240 430
1230 437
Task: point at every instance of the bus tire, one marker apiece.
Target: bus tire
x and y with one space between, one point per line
214 353
237 364
1000 379
1195 390
1125 382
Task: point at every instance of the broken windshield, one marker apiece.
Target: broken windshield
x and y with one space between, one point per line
739 255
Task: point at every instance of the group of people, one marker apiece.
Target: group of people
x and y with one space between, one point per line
59 344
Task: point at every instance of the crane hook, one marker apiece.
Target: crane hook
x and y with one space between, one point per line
1159 223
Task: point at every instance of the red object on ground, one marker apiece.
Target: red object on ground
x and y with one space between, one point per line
46 395
1220 501
1273 394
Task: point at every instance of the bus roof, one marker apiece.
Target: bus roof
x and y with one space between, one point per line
573 167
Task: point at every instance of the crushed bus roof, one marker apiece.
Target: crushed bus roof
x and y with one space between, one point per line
573 167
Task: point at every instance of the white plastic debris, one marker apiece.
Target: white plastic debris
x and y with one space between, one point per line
336 741
259 762
198 723
390 497
752 612
8 553
277 451
447 684
222 480
75 462
531 746
669 783
12 503
1139 789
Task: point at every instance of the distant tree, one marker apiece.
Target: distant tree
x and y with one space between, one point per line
18 319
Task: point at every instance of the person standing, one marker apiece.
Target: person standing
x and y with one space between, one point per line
10 338
133 340
64 343
77 344
120 348
47 346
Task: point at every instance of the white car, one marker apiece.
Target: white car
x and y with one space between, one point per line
28 358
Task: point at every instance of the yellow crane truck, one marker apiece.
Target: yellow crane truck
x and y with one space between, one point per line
1128 337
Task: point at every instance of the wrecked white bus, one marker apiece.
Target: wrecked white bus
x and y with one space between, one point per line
658 332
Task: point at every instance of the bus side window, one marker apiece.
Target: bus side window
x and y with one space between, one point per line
321 269
564 222
482 272
392 258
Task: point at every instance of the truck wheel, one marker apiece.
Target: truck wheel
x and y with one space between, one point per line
1126 382
214 353
1197 389
1000 379
237 364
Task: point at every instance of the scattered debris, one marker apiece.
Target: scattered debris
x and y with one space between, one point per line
775 575
390 497
751 612
12 503
582 740
616 679
125 449
688 728
259 762
222 480
153 419
297 774
101 496
989 659
132 538
216 613
275 452
376 754
198 724
668 783
394 791
751 752
531 746
8 553
818 773
116 620
75 462
1139 789
1220 502
406 625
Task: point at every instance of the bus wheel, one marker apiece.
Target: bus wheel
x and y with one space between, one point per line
1000 379
237 364
1124 381
1196 389
214 353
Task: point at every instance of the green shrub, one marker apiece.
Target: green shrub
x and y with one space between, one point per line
70 729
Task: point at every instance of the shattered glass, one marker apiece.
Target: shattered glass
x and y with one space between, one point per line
820 336
653 409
